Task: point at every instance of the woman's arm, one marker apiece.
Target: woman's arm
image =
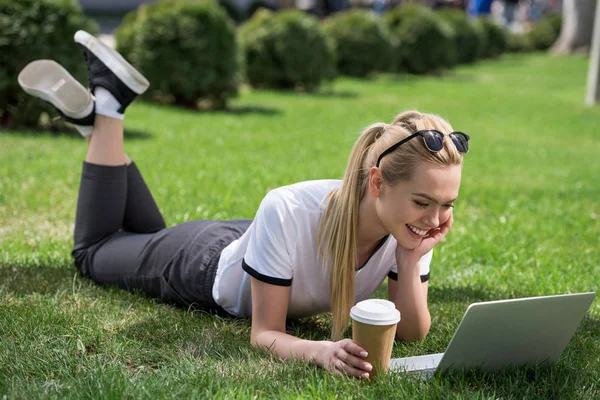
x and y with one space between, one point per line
409 293
410 296
269 311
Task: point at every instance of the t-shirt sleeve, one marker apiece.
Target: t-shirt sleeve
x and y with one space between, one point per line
423 263
267 257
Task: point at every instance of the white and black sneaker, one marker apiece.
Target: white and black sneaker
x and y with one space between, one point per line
108 69
51 82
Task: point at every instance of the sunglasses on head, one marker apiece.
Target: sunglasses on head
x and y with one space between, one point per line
434 141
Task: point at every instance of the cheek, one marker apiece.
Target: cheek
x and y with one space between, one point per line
394 215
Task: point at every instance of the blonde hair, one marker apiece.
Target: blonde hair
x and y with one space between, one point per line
338 228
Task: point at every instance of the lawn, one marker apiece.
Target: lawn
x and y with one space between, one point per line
527 223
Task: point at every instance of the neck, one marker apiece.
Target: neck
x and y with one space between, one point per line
370 228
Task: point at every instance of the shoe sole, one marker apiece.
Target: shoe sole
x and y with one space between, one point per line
126 72
49 81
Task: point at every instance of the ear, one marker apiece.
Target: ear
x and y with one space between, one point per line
375 182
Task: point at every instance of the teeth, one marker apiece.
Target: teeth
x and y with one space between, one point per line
417 231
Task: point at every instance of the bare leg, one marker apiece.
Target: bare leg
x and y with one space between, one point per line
105 144
105 148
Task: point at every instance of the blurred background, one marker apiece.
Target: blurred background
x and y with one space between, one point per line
277 44
516 15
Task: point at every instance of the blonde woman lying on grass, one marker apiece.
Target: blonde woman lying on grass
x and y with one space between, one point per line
312 247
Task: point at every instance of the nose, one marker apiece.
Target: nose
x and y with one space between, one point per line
432 219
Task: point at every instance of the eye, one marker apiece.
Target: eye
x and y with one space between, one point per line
421 204
448 206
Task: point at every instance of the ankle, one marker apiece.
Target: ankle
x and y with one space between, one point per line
107 104
105 125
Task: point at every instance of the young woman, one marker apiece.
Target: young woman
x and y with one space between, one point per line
312 247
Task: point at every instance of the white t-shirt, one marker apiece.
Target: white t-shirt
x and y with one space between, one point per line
280 248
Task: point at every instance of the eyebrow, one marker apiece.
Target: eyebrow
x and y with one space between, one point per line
426 196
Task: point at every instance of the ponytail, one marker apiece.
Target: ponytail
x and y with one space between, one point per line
338 230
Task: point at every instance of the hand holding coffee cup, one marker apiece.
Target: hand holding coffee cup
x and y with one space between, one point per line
374 329
345 357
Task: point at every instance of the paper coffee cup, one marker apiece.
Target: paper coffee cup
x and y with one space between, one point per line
374 329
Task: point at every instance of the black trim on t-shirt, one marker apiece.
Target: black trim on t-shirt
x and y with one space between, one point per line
377 247
264 278
394 276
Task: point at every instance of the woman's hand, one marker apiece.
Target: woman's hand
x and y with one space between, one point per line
345 357
412 257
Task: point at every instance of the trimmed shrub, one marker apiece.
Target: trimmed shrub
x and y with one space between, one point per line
497 38
187 49
257 5
236 13
556 21
545 32
482 38
31 30
286 50
518 43
466 36
362 44
424 41
125 34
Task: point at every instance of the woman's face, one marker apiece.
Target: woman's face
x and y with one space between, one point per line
410 209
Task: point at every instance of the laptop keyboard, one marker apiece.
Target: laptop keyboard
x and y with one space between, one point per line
423 366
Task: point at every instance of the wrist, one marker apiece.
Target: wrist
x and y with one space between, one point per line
319 351
408 268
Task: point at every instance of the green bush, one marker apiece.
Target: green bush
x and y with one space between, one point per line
497 38
467 39
545 32
241 14
286 50
236 13
257 5
125 34
31 30
482 38
362 44
556 21
424 41
187 49
517 43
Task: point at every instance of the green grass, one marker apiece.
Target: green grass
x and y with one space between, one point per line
527 224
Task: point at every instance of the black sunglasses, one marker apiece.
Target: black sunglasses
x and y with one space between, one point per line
434 141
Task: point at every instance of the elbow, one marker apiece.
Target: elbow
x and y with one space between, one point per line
416 336
254 338
417 332
262 339
424 328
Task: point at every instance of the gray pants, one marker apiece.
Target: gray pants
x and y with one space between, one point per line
121 239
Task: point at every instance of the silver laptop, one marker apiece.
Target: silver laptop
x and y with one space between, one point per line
496 334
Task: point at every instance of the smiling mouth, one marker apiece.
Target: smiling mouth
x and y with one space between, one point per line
417 231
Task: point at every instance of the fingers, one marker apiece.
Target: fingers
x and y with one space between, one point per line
352 371
448 224
348 359
349 346
354 361
338 368
440 233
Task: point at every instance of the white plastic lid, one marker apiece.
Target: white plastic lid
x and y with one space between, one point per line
375 312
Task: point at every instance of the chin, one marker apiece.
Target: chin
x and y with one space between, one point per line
408 243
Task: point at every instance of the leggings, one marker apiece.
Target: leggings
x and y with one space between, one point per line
121 239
